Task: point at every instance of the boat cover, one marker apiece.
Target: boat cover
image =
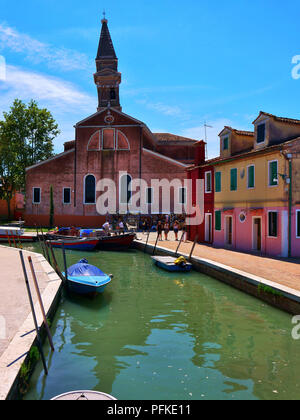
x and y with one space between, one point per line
84 232
83 268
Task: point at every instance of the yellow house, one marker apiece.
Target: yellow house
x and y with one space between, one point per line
257 187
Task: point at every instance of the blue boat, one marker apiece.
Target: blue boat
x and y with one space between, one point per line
169 264
86 279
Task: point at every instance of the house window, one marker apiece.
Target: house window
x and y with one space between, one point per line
233 179
90 190
208 182
298 223
149 196
67 195
218 181
225 143
261 133
125 189
182 195
273 224
36 199
218 221
273 173
251 176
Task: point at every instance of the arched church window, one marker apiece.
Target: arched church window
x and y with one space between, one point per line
125 189
94 142
108 139
122 141
90 189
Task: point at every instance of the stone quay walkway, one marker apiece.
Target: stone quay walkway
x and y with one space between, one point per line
16 320
285 272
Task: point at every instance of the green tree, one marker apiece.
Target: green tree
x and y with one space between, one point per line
26 138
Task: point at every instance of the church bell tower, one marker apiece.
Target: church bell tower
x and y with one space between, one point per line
107 77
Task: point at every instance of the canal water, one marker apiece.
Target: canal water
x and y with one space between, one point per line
161 336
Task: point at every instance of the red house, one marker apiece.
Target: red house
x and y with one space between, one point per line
202 170
108 145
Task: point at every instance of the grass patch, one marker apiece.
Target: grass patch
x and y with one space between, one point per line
267 289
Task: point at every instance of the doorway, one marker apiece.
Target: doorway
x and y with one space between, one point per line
257 234
208 227
228 230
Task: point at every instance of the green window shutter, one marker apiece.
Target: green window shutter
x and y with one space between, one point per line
233 179
273 173
251 180
218 222
225 143
261 133
218 182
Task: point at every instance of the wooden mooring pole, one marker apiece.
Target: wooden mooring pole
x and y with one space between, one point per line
56 266
41 302
181 239
46 247
39 343
65 260
193 247
154 250
145 249
8 239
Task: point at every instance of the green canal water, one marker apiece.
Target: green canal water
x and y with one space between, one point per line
161 336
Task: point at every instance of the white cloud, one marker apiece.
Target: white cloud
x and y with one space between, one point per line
165 109
63 99
37 52
54 91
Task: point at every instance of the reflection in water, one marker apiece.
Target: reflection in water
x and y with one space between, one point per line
156 335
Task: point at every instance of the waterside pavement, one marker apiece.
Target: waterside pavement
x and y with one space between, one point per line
16 320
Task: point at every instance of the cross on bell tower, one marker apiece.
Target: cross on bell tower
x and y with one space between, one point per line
107 77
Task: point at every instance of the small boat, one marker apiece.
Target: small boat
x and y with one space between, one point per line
106 242
11 234
84 396
169 264
86 279
79 244
116 242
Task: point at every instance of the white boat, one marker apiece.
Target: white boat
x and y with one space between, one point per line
8 234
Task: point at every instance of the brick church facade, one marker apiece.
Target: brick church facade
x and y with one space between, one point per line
108 145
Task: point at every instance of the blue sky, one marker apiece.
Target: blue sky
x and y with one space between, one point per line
182 63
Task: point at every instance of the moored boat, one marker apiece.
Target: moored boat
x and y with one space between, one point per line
84 396
86 279
78 244
106 241
116 242
17 234
173 264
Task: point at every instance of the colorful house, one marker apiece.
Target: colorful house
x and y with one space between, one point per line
257 188
202 170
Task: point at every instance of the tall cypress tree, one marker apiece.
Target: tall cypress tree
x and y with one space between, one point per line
51 220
